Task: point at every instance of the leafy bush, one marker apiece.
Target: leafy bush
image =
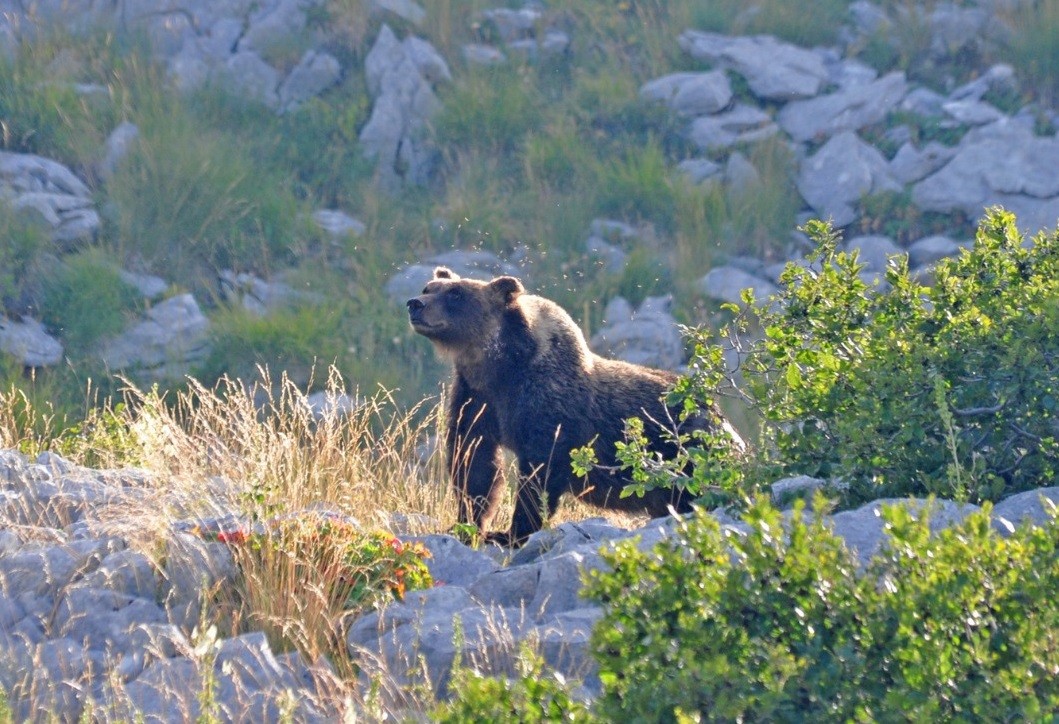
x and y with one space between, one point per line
902 388
780 626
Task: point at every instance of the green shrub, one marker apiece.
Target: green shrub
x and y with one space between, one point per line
85 299
533 696
779 626
906 389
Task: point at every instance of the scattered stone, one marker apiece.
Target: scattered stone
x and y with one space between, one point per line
118 144
774 70
849 109
338 224
480 54
931 249
1035 507
842 172
726 284
742 125
690 94
316 72
873 251
404 9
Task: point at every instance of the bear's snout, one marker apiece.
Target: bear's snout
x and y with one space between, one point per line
414 304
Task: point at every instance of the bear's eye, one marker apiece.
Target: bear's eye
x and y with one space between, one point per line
455 293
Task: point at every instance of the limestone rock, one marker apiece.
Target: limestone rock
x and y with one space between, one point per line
28 342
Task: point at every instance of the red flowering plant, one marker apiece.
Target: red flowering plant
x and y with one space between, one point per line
331 555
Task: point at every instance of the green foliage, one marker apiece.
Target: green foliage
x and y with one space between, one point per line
296 339
41 109
1033 46
101 438
895 215
778 625
491 109
192 200
636 186
532 697
22 244
805 24
847 376
85 299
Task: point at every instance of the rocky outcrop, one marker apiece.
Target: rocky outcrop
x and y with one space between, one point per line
401 77
648 335
50 194
29 343
91 617
164 344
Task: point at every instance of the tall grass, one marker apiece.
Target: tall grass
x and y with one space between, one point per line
1033 46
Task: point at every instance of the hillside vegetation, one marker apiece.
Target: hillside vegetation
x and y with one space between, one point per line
531 151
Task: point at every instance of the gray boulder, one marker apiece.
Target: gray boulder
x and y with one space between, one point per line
50 193
843 171
931 249
316 72
863 529
774 70
649 336
873 251
451 563
690 94
404 9
117 147
1002 163
726 284
743 124
28 342
848 109
1034 507
164 344
400 76
911 164
337 223
248 75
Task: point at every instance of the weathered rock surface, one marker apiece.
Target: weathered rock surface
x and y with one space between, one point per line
401 76
29 343
648 335
774 70
88 619
50 194
164 344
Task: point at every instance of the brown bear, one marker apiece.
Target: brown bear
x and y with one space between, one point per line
527 381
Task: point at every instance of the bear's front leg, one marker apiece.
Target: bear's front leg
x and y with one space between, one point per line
475 461
536 499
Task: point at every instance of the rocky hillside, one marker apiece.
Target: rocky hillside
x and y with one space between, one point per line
204 189
92 622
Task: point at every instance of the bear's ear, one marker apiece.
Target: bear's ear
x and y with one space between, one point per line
443 272
507 287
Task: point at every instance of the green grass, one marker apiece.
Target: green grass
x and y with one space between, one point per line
85 299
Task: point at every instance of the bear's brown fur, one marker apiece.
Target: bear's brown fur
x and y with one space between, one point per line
526 381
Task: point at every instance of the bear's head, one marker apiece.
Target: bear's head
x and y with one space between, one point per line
457 313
